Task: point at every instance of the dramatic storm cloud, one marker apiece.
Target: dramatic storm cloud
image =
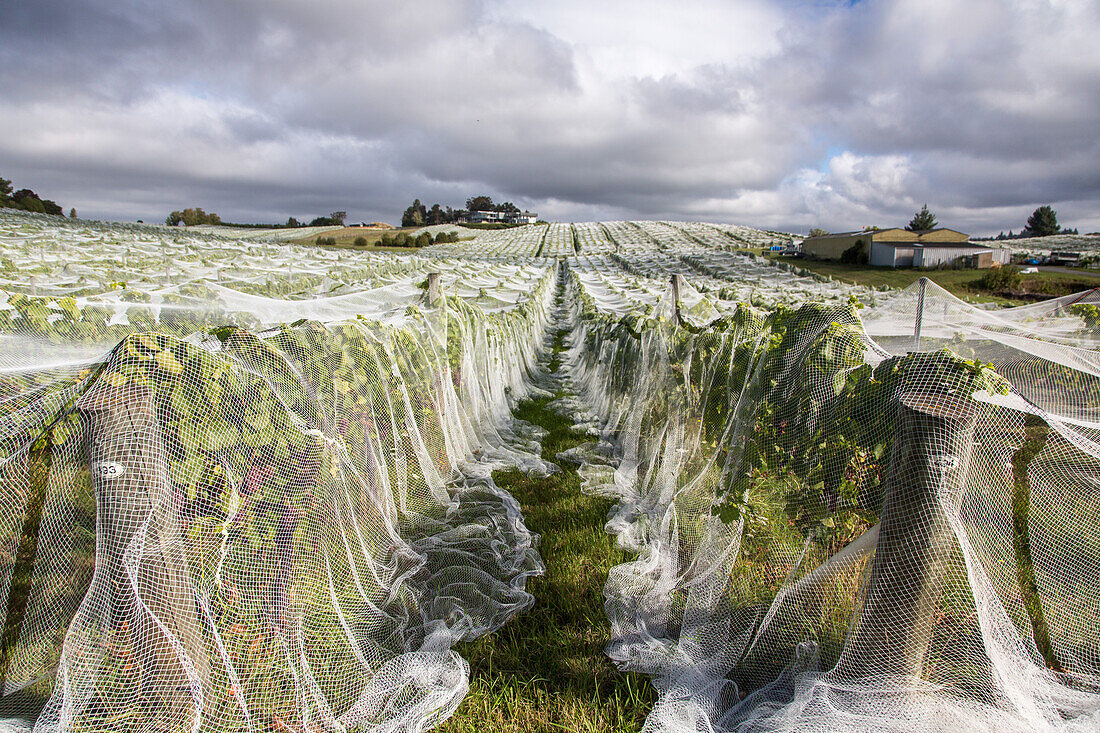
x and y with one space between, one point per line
768 112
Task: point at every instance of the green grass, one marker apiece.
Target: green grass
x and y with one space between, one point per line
546 670
345 239
960 283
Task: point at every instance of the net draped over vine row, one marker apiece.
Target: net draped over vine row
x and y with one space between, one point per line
841 524
227 511
246 485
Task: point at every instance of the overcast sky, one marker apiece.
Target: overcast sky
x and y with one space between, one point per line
775 113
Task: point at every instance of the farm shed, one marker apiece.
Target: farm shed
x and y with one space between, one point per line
934 255
903 248
893 254
832 246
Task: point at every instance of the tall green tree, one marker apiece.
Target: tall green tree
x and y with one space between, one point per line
72 213
436 215
28 201
336 218
480 203
415 215
922 220
1043 222
191 217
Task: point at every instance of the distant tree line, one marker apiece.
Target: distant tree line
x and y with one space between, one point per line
404 239
419 215
400 239
335 219
27 200
191 217
195 216
1043 222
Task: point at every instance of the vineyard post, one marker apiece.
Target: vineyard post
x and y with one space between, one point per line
140 553
34 285
1035 434
1073 301
928 470
677 285
435 288
923 282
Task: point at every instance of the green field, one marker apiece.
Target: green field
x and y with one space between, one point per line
961 283
346 238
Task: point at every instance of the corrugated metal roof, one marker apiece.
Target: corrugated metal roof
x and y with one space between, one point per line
935 245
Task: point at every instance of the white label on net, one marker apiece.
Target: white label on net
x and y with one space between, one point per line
108 469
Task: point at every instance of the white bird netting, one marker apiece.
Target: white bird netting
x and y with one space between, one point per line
246 486
842 524
285 526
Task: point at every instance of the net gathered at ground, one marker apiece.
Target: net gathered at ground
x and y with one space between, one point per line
844 531
247 485
227 511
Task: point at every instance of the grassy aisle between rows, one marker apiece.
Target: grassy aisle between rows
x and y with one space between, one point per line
546 669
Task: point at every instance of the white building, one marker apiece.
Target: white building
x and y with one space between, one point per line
485 217
904 248
500 217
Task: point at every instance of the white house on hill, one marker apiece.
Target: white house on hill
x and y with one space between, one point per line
500 217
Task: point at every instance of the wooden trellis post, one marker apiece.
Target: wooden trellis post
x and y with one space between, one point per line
139 531
677 283
920 313
435 288
928 471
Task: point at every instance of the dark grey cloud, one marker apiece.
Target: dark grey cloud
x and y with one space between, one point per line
757 111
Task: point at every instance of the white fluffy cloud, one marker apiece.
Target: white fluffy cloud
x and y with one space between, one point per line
785 113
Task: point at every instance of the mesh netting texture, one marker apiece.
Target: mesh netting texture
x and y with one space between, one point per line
844 531
247 485
284 525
